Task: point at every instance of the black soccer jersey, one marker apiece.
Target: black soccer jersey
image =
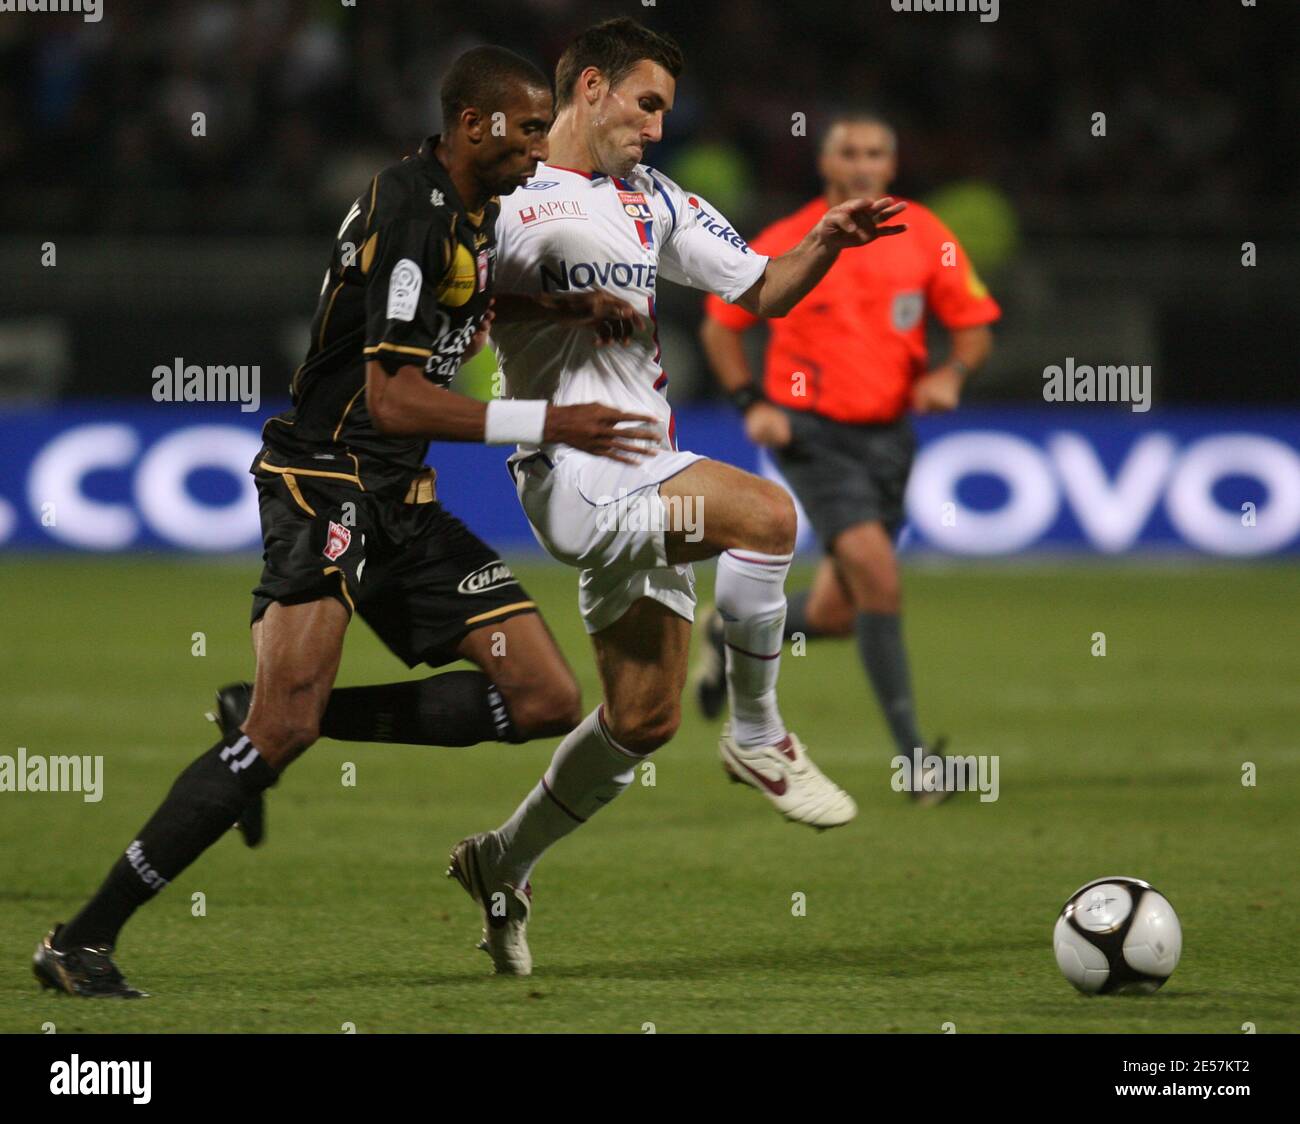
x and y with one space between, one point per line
409 283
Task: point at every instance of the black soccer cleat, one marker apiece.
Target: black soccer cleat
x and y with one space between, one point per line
233 702
86 972
711 667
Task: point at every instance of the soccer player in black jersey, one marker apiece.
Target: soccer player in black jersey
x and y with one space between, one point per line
349 515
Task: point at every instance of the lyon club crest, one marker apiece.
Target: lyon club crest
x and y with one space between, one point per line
635 206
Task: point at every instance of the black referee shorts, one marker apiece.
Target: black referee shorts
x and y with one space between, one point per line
413 571
847 474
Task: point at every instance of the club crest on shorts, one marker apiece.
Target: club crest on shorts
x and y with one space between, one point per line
337 541
492 575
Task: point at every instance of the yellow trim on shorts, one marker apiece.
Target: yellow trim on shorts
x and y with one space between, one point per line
292 484
397 347
422 489
343 581
502 611
311 472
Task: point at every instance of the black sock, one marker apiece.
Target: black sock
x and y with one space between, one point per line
880 644
455 708
796 616
201 806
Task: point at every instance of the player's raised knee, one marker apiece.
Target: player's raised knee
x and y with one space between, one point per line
645 731
546 709
282 734
785 520
774 523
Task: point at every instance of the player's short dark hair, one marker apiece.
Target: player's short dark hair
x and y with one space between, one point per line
858 116
484 78
614 48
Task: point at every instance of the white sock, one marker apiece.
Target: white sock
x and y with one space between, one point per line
750 595
588 770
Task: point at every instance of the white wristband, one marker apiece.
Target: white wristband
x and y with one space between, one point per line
512 421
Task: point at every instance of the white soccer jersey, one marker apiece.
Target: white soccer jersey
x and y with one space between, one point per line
567 231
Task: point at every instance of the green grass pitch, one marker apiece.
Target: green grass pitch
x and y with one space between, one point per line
675 906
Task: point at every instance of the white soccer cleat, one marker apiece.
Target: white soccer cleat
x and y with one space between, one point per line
786 775
505 907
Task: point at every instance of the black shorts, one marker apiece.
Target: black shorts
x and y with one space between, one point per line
847 474
416 574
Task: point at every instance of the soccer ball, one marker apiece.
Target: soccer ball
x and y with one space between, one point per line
1117 935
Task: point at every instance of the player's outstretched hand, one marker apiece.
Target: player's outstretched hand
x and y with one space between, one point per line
594 428
612 319
859 221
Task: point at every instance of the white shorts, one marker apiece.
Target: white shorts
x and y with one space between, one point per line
606 519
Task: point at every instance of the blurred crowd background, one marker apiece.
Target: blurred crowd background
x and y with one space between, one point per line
1124 248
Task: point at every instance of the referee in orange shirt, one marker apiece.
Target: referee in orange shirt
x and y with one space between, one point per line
842 370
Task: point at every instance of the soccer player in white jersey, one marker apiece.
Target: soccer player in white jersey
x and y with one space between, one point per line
595 218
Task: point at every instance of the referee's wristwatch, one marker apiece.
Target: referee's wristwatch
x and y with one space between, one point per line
745 396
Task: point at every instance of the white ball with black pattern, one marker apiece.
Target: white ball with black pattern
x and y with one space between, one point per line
1117 936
